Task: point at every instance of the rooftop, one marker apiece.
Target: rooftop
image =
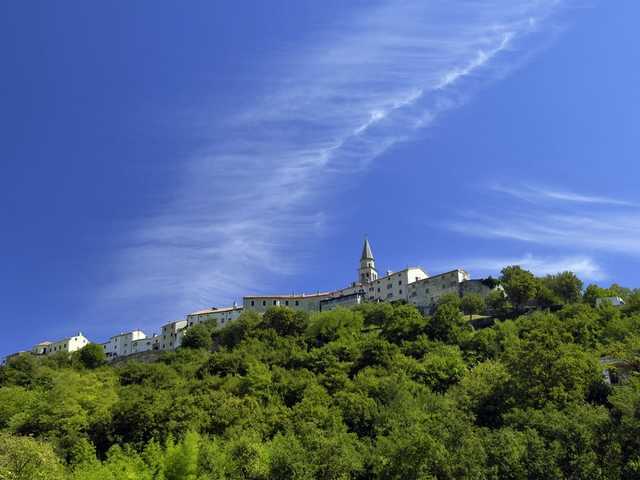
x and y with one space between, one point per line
293 295
216 310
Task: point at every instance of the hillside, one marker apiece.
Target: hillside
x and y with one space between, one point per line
376 392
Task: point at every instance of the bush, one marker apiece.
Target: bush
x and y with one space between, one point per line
198 336
92 356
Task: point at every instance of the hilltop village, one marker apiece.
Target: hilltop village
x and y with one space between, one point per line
412 285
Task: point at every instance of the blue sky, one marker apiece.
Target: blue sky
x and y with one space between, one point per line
158 157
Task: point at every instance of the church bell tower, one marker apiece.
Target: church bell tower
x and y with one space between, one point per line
367 272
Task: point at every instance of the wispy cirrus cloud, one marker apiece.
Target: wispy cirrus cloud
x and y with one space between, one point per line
558 218
245 201
583 266
538 194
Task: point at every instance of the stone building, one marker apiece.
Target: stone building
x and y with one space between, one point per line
304 302
222 315
412 285
426 292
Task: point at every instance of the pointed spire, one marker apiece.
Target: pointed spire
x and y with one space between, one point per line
367 254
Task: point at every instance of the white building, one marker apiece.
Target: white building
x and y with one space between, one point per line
222 315
68 345
615 301
412 285
128 343
41 348
369 287
171 336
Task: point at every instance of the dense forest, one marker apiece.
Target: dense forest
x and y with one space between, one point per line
380 391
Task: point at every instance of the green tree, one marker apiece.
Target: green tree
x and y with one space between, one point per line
566 286
484 392
246 325
546 297
520 285
24 458
447 323
452 299
592 293
405 322
92 356
546 368
181 460
326 327
497 302
472 304
21 370
284 321
198 337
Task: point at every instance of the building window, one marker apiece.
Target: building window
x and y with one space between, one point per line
274 302
253 303
286 302
264 303
378 289
297 303
400 292
399 282
389 286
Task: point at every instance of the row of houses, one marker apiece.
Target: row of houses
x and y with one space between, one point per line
412 285
137 341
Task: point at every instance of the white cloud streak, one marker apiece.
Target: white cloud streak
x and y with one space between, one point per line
583 266
558 219
537 194
243 203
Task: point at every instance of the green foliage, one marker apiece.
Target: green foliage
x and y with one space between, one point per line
199 336
472 304
329 326
447 323
566 286
375 392
23 458
92 356
285 321
520 285
402 323
497 303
